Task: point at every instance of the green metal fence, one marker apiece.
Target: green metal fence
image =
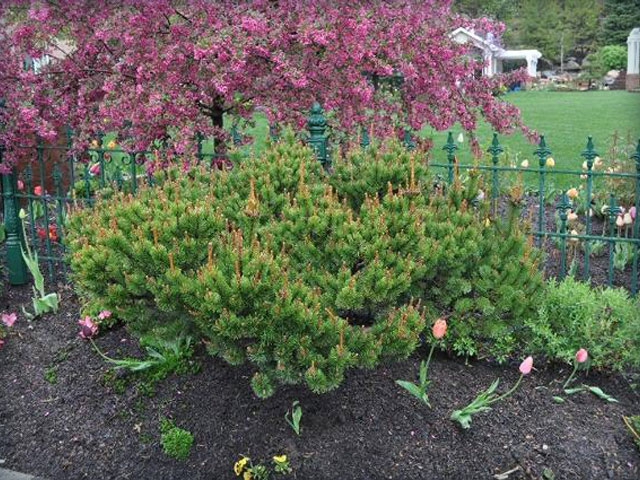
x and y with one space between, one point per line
562 222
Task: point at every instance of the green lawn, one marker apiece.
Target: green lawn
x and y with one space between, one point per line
566 119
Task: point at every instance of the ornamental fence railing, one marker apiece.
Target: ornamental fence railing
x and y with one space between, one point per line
589 230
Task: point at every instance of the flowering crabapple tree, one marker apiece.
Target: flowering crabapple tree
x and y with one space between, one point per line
172 69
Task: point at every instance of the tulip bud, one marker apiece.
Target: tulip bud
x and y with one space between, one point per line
20 184
604 209
526 366
573 193
22 214
597 162
574 234
584 165
572 217
460 138
550 162
627 219
37 190
582 355
619 221
525 164
439 328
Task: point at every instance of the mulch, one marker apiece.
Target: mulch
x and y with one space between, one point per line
85 423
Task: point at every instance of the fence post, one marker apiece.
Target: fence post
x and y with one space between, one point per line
317 125
15 263
543 152
589 154
408 141
495 150
365 140
450 148
612 212
563 208
636 229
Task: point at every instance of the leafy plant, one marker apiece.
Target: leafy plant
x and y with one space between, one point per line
622 255
572 314
42 302
163 357
176 442
294 416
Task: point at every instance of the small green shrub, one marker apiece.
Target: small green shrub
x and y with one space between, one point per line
176 442
307 276
605 321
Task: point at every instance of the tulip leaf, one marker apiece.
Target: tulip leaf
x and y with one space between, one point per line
597 391
558 399
571 391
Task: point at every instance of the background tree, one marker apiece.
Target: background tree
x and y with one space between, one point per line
168 69
620 17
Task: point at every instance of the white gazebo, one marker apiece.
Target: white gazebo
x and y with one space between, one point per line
493 54
633 59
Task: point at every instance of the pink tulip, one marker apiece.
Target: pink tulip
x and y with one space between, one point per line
20 185
439 328
632 212
526 366
582 355
37 190
104 314
87 328
94 169
9 319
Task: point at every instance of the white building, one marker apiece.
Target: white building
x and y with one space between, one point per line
493 54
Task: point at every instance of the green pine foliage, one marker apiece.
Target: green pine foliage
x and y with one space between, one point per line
605 321
304 275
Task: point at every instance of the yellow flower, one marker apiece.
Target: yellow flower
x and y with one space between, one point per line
487 222
550 162
112 144
280 459
247 475
239 465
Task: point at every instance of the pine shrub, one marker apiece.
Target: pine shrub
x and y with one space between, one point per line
304 275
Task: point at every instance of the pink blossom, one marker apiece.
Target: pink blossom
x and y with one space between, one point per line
20 185
37 190
88 328
9 319
582 355
632 212
104 314
526 366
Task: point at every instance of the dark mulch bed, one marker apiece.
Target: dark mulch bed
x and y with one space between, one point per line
79 427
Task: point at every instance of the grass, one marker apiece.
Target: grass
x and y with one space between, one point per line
565 118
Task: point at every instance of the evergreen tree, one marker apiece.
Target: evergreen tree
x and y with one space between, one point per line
620 17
